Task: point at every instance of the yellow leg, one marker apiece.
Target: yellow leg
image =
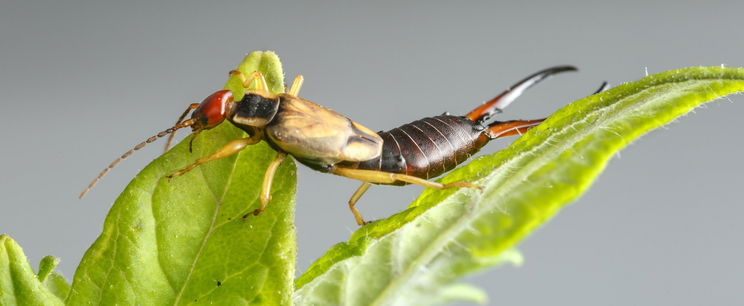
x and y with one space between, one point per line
231 148
268 179
254 76
296 85
170 138
354 198
381 177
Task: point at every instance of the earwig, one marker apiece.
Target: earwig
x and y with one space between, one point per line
330 142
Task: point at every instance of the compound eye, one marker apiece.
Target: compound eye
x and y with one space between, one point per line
211 112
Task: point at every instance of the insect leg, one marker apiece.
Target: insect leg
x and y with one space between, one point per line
508 128
354 198
231 148
256 75
381 177
296 85
268 179
170 138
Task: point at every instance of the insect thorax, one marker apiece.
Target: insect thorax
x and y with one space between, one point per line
254 110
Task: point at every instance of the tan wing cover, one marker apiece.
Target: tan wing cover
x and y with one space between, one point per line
310 131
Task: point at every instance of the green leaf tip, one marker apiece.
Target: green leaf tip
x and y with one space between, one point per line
46 266
186 240
55 282
406 258
19 285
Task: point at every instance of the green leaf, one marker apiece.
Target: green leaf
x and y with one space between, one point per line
184 240
410 257
57 285
52 280
46 267
18 283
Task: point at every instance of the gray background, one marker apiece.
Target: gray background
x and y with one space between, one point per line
82 81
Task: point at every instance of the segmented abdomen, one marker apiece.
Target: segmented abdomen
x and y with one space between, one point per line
428 147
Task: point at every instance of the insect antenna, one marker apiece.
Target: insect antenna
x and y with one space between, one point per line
496 105
113 164
172 135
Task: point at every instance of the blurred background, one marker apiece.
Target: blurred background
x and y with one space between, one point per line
83 81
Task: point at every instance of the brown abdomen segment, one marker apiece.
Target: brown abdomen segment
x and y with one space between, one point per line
428 147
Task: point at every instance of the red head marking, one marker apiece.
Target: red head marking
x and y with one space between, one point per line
212 111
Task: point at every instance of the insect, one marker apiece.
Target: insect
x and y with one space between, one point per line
329 142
